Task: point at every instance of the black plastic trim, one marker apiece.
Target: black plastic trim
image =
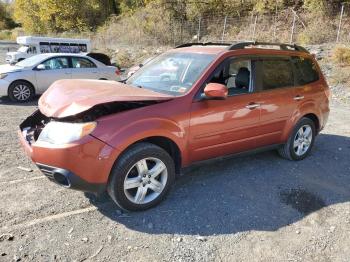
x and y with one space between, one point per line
282 46
73 181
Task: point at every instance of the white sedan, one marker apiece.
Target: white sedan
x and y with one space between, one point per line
34 75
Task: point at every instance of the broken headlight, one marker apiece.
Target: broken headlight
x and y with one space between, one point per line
64 133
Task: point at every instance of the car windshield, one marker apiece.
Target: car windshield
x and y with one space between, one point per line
171 73
31 61
23 49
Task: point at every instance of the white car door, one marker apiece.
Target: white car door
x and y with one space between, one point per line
84 68
49 71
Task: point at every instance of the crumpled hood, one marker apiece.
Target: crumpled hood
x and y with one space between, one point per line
70 97
9 68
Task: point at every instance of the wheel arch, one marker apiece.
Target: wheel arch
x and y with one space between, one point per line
22 80
163 142
315 119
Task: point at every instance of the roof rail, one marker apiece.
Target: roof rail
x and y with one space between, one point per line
282 46
203 44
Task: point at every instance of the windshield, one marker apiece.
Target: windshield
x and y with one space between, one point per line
171 73
23 49
31 61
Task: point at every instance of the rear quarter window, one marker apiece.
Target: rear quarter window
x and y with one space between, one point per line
306 70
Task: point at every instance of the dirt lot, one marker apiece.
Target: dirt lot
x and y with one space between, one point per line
255 208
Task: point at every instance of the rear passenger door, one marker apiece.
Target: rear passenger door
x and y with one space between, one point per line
275 83
84 68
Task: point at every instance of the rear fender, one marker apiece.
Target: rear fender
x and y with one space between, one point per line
308 107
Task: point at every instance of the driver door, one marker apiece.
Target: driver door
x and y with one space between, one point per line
223 127
56 68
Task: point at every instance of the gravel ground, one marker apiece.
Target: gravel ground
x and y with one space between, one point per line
254 208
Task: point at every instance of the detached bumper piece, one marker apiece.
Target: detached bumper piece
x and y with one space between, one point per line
67 179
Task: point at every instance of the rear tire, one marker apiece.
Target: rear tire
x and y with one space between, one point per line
142 177
300 141
21 91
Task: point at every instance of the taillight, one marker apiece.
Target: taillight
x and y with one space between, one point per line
117 72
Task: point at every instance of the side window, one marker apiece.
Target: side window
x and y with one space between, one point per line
79 62
235 74
56 63
82 48
276 73
306 70
239 77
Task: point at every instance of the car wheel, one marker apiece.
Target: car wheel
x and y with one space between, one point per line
21 91
301 140
142 177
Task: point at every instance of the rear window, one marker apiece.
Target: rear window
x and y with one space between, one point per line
276 73
79 62
306 70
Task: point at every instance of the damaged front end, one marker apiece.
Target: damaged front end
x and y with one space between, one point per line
32 127
101 110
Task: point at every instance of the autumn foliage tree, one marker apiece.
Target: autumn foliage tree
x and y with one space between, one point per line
43 16
6 21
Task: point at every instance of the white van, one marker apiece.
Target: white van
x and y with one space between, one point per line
33 45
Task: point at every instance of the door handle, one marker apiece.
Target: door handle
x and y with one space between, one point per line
298 97
68 73
252 106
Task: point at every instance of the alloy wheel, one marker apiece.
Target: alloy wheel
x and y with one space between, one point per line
302 140
145 181
22 92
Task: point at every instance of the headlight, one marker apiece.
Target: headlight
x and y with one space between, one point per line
64 133
2 75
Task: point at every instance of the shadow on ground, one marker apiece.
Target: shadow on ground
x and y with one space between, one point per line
259 192
5 100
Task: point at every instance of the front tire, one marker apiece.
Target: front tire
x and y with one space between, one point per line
300 141
21 91
141 177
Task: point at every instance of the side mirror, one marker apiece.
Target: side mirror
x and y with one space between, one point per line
215 91
40 67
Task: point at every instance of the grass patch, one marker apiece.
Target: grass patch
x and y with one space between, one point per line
341 55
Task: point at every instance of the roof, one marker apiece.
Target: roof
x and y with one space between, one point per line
213 49
36 39
47 55
216 48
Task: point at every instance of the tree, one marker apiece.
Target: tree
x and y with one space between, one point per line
44 16
6 21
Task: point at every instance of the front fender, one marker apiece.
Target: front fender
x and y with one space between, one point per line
145 128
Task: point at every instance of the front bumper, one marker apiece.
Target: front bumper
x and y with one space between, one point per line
83 165
4 85
68 179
